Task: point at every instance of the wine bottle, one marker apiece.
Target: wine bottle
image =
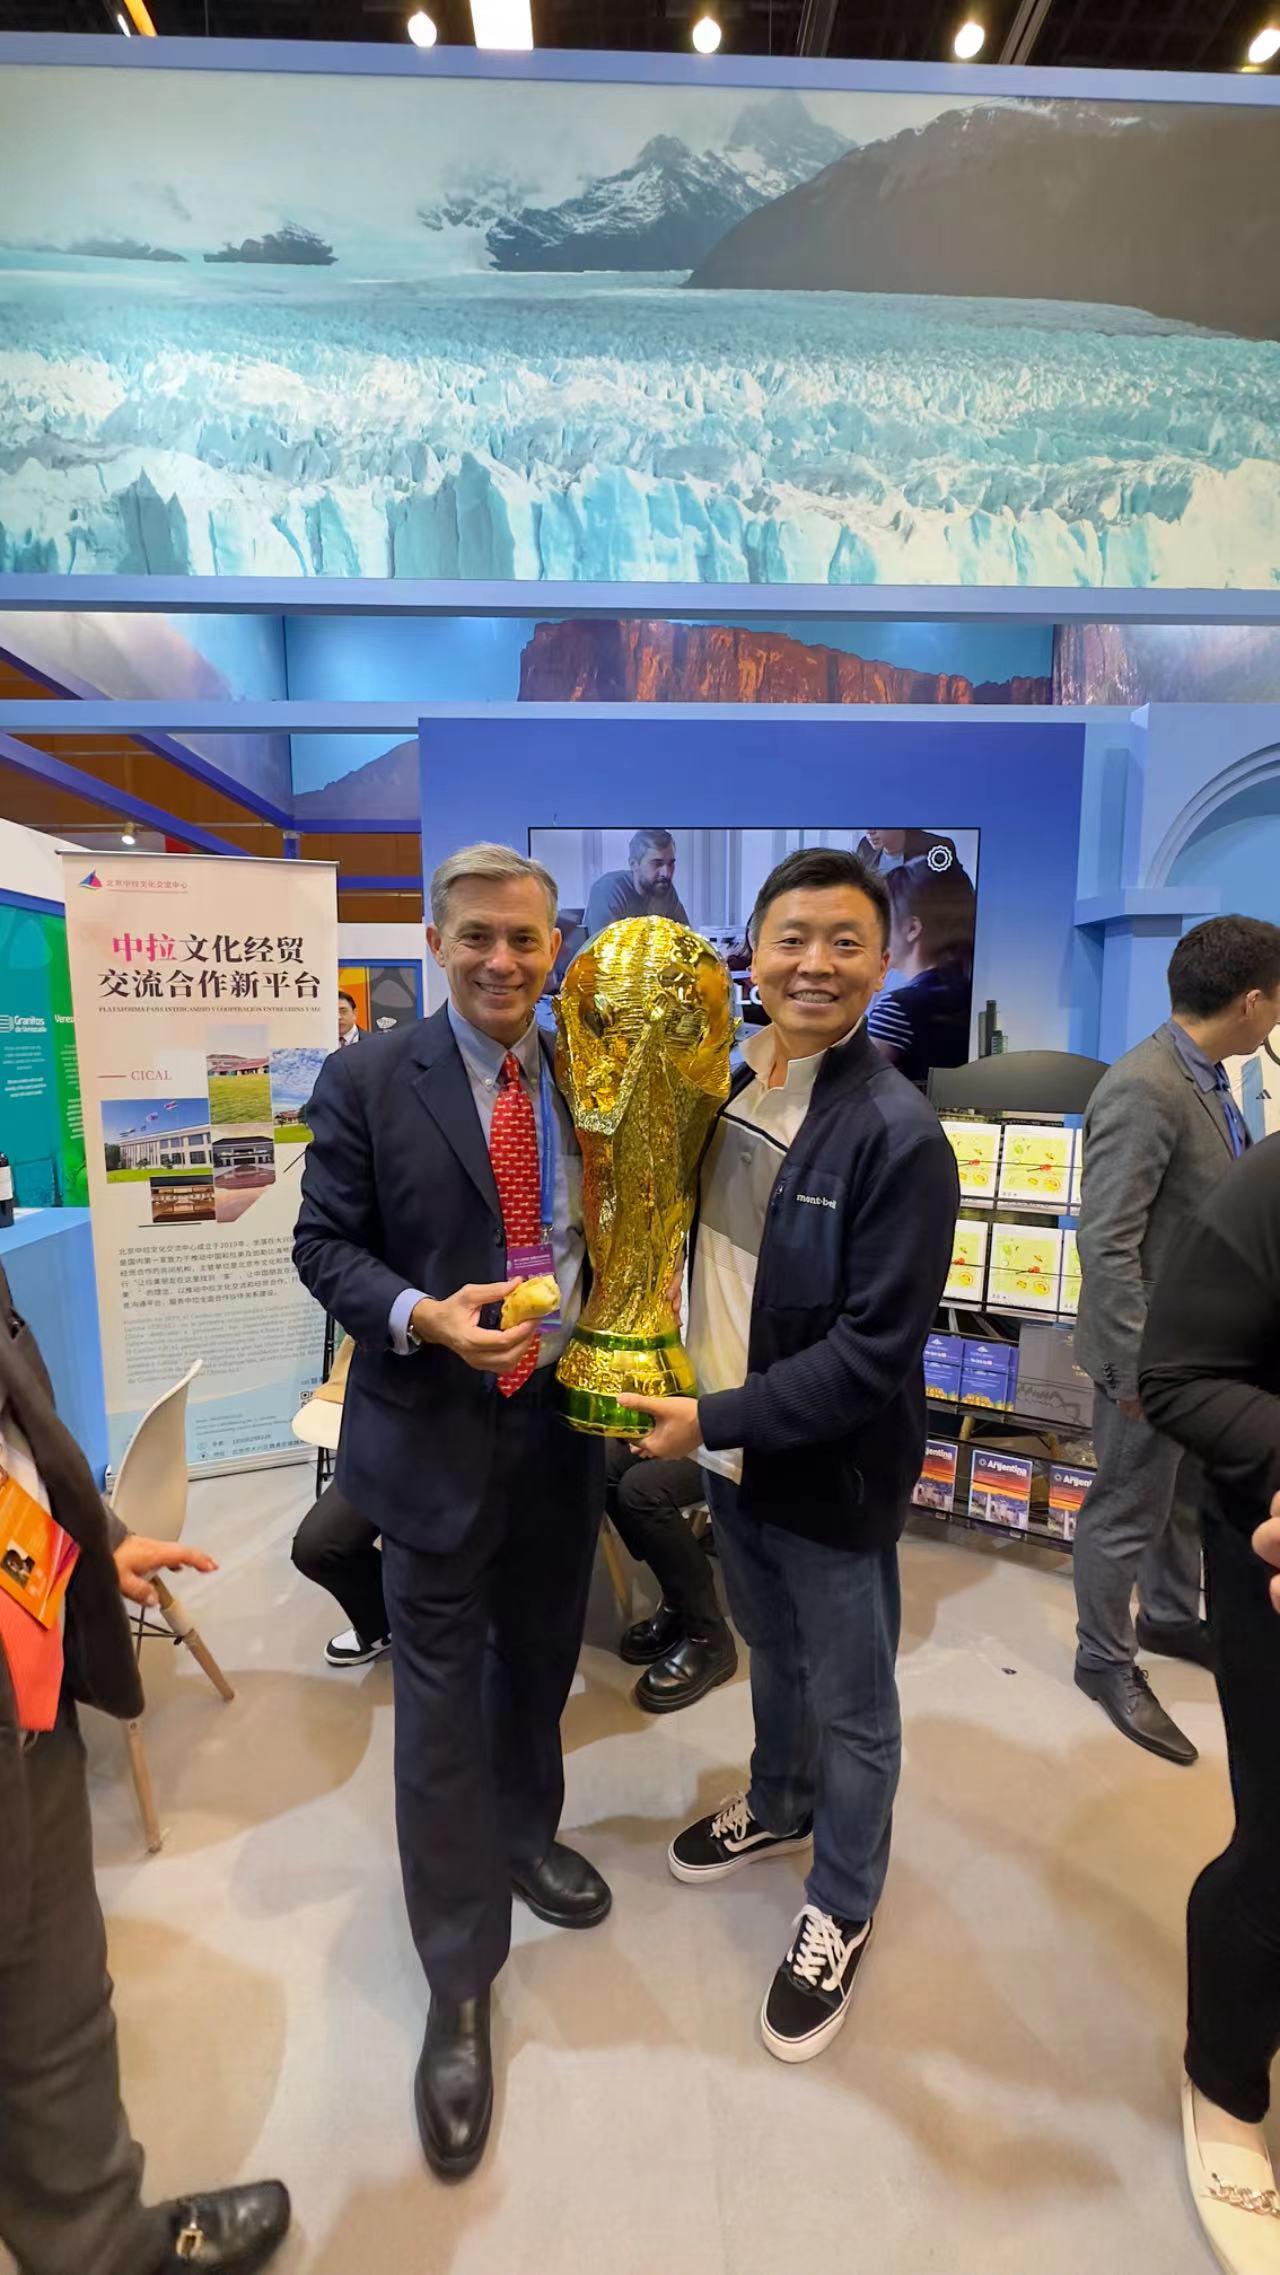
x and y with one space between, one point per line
6 1193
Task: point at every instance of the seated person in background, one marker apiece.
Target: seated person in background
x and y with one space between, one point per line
647 888
884 849
337 1548
925 1022
687 1647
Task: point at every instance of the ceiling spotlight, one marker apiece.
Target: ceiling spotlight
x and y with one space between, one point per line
421 29
1266 47
969 40
127 837
706 35
502 23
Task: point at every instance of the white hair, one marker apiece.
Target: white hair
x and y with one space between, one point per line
497 863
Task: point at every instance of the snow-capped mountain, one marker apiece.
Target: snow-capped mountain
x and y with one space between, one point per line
673 204
929 210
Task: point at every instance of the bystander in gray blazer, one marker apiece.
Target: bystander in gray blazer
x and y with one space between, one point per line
1156 1140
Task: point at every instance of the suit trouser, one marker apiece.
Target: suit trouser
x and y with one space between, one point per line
70 2172
338 1548
485 1642
1140 1526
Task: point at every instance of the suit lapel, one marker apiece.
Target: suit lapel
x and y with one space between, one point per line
1210 1100
442 1086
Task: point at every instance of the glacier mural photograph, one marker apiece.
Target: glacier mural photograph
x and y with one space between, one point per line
306 326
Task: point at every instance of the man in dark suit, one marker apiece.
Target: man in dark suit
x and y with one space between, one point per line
442 1168
70 2171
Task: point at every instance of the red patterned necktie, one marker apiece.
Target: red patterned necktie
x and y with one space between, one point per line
513 1150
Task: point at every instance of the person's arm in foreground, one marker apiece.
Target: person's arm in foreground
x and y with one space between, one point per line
1211 1338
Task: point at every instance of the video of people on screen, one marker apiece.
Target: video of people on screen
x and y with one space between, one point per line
709 878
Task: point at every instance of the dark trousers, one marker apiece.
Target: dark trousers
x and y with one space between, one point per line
484 1646
1139 1527
1233 1917
646 1501
70 2171
822 1626
337 1548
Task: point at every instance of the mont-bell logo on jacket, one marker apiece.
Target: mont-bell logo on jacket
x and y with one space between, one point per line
93 881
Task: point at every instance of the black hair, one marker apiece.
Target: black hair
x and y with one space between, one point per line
820 869
945 903
343 997
1219 961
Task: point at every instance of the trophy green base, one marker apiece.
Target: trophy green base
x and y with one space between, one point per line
597 1371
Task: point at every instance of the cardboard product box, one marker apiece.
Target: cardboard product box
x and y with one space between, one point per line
1000 1489
936 1487
1025 1271
1035 1163
976 1146
942 1364
1068 1489
1050 1386
968 1271
988 1374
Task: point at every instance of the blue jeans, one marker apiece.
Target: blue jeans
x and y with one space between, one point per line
822 1627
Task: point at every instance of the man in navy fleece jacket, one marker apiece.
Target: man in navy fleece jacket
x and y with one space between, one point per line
828 1206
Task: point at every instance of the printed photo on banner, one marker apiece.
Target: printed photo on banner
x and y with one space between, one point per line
709 878
612 332
200 1035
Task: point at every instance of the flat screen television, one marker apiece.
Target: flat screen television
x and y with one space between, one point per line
709 878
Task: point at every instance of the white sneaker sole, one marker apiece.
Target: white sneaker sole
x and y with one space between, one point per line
692 1875
801 2049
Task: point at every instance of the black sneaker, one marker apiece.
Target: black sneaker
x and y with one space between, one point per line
719 1845
350 1650
809 1996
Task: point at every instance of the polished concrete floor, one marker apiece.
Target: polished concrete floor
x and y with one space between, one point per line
1002 2101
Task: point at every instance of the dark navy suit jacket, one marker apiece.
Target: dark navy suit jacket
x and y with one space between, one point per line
398 1192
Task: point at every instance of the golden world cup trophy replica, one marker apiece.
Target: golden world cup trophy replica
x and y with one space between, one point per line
645 1020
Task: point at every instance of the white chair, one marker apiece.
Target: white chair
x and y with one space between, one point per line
149 1496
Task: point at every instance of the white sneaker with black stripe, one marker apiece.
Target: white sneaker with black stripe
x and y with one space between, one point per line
809 1996
723 1843
351 1650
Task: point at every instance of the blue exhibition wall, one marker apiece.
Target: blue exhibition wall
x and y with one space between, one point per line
600 323
1016 779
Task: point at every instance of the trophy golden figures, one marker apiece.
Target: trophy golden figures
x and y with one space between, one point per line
645 1023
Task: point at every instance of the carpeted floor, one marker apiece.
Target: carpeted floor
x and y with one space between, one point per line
1003 2099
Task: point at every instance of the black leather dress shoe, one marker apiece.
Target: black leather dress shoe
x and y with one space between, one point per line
236 2228
1126 1696
1185 1639
563 1888
453 2088
695 1666
651 1639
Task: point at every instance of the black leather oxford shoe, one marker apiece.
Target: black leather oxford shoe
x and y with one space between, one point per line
453 2088
563 1888
235 2229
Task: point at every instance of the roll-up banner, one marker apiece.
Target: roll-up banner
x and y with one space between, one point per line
205 1005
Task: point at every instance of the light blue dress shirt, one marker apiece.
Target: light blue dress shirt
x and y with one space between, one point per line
483 1060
